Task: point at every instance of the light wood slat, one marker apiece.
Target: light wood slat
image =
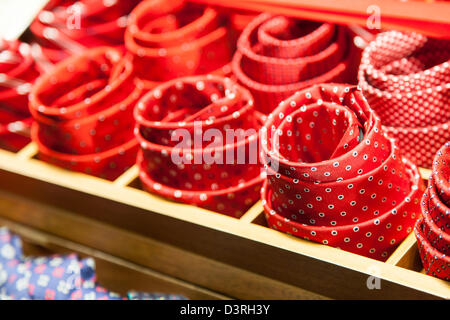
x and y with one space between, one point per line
252 213
27 152
127 177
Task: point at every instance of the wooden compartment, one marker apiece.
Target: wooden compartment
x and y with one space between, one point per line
226 257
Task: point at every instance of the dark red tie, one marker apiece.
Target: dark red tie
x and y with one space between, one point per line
203 173
277 56
169 39
334 176
406 79
433 230
17 73
67 27
84 113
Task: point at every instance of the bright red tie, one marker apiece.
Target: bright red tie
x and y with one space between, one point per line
406 79
67 27
277 56
169 39
433 230
84 113
17 73
182 128
334 176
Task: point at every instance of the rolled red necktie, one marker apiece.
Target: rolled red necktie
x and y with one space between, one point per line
67 27
277 56
84 113
17 73
199 140
433 230
334 176
406 79
172 38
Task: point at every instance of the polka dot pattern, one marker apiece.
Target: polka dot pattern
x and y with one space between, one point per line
433 230
406 79
172 38
100 23
17 73
84 113
334 176
277 56
205 175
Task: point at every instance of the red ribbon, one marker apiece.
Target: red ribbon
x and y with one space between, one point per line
334 177
202 173
433 230
83 112
278 56
405 78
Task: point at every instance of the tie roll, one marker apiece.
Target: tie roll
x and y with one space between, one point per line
178 159
406 79
84 113
277 56
17 74
433 230
334 176
68 27
172 38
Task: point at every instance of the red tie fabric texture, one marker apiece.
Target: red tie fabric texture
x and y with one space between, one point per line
433 230
277 56
67 27
84 113
17 73
339 180
406 79
189 118
169 39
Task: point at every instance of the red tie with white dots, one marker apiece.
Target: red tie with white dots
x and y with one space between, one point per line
334 176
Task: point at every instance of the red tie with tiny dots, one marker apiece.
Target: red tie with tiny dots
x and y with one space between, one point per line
433 230
277 56
203 172
406 79
83 111
17 73
334 176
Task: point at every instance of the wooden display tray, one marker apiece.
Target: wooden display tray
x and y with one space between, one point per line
217 255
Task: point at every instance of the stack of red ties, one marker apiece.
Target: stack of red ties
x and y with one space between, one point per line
67 27
406 79
433 230
199 142
169 39
277 56
84 113
334 176
17 72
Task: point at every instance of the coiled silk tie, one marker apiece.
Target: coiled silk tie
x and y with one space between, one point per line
334 176
84 113
406 79
17 73
277 56
186 154
433 230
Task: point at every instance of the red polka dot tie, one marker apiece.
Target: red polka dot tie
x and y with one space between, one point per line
334 176
183 127
433 230
67 27
172 38
17 72
278 56
406 79
83 112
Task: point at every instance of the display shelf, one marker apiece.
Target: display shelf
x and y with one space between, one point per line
237 258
